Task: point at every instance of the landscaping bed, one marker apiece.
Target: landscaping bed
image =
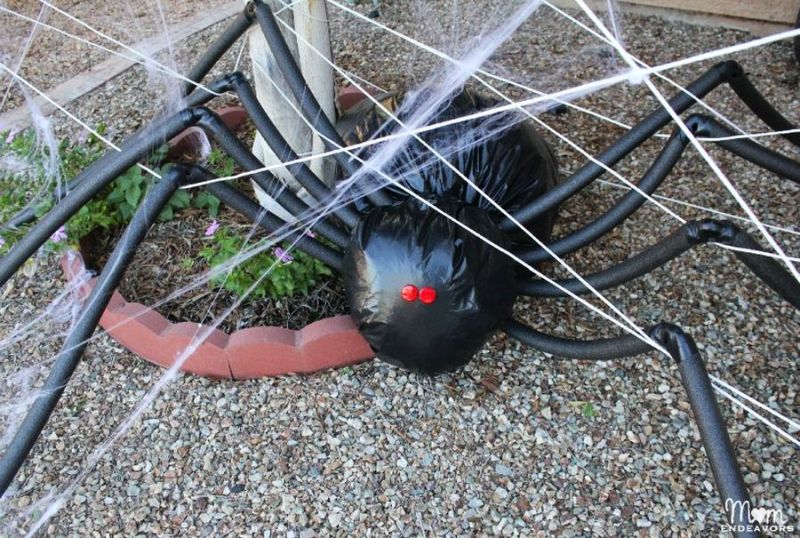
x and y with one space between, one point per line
170 259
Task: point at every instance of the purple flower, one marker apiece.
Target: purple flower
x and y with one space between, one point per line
2 241
212 228
282 255
10 137
59 235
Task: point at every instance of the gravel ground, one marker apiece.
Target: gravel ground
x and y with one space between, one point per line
53 57
515 443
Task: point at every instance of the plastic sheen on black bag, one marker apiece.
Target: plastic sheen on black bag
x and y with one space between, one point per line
426 293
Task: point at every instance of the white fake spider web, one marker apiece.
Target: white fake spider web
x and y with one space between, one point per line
527 104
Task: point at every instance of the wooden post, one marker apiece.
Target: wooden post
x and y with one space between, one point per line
309 19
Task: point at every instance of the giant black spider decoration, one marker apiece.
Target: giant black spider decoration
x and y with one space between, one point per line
422 259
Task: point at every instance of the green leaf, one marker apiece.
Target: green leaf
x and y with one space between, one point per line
206 200
180 200
132 195
213 206
166 214
126 211
116 196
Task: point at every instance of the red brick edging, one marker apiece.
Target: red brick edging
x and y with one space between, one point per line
248 353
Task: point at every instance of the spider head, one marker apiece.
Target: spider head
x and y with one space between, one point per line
426 293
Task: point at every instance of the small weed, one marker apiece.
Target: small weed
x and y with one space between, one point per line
585 408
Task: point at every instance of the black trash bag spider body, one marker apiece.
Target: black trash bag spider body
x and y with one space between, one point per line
425 293
508 160
425 261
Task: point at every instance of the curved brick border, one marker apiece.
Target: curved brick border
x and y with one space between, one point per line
246 354
249 353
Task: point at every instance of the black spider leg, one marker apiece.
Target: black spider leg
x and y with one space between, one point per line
747 149
90 182
725 72
696 382
67 359
756 102
106 169
219 47
274 187
237 201
308 104
689 235
237 83
663 164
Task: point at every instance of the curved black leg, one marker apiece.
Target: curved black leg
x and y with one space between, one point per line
621 210
701 125
237 83
302 93
220 46
88 183
756 102
67 359
618 150
213 125
719 450
697 384
689 235
603 349
747 149
769 270
721 73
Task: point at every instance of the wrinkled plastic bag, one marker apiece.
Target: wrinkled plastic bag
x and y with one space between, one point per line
411 244
504 156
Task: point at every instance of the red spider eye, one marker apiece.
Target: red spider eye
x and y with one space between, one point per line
409 293
427 295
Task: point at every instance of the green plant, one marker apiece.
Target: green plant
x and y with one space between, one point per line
92 216
22 171
115 205
273 275
204 199
24 159
187 262
129 189
220 164
585 408
75 157
16 182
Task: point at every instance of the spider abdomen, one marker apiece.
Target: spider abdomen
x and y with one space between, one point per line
505 158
